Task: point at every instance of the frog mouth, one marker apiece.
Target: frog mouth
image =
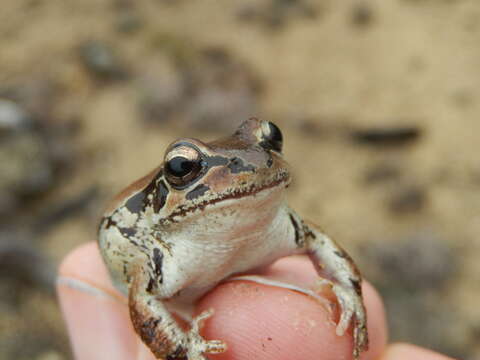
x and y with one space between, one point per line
252 189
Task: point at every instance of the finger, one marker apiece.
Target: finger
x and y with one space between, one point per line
264 322
411 352
104 328
96 314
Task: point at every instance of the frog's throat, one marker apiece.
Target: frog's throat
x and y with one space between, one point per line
252 189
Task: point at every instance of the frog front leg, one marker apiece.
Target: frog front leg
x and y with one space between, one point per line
337 270
160 331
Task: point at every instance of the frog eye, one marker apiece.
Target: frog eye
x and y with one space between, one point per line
183 164
272 138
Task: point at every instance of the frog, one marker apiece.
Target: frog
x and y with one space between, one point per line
214 211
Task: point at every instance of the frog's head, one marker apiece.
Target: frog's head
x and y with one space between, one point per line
197 175
232 187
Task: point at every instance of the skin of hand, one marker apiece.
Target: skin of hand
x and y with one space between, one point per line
256 321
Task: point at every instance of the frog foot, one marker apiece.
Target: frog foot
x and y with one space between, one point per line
197 345
352 312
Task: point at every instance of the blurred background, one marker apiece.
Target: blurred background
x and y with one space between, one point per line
378 102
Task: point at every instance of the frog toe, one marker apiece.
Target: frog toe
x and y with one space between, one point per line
198 344
352 312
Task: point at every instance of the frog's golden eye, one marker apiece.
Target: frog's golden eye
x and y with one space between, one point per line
183 164
272 138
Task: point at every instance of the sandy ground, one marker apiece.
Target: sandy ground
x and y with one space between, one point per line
323 71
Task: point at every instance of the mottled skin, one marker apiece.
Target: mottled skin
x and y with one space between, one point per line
213 210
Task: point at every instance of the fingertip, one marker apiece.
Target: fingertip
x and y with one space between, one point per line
96 317
401 351
265 322
85 262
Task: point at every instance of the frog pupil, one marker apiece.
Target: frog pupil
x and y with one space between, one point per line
180 166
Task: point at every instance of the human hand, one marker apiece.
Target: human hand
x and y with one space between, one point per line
256 321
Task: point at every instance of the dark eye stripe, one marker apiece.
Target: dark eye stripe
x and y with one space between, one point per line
198 191
138 202
236 165
161 197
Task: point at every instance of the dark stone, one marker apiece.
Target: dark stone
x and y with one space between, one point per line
362 15
381 173
387 136
407 200
101 61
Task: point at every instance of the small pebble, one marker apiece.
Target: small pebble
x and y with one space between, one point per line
381 173
387 136
407 200
362 15
101 61
128 22
12 116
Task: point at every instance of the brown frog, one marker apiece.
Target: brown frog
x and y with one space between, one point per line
211 211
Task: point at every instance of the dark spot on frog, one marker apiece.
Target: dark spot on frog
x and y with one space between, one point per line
270 161
179 354
236 165
198 191
158 261
128 232
340 254
356 285
343 254
149 327
297 230
150 285
133 242
309 233
161 198
136 203
215 161
109 222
